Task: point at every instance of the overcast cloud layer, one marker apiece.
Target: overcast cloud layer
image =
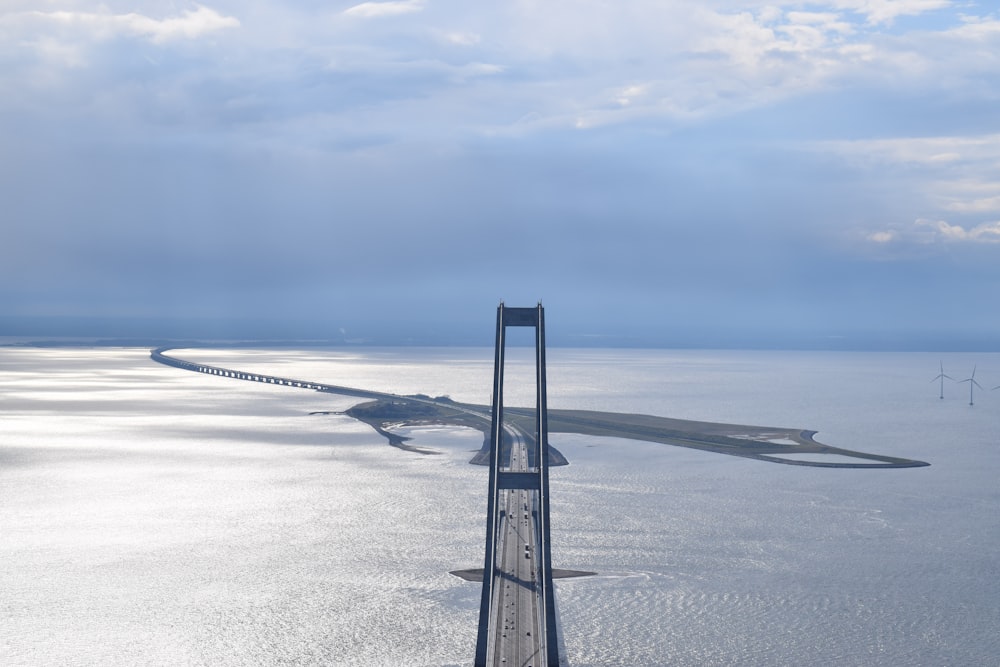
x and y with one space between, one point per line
709 173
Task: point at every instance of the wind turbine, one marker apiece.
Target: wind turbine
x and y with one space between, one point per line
941 376
972 383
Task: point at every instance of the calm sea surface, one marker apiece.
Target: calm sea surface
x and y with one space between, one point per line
153 516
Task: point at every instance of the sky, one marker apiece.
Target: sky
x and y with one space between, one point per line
721 173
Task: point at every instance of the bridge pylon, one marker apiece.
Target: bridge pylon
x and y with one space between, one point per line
518 469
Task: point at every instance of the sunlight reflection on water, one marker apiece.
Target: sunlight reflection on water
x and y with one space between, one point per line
157 516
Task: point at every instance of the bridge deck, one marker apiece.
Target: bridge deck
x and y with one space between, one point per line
516 634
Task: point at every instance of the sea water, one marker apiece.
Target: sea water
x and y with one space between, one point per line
150 515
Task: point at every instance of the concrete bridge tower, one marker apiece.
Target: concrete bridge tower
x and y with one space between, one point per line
517 617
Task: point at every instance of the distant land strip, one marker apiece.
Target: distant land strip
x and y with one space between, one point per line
386 411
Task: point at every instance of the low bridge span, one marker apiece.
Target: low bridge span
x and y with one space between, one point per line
160 355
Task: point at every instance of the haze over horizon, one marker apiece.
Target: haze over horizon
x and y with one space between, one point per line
725 173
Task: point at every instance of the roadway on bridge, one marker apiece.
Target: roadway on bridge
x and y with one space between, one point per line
516 615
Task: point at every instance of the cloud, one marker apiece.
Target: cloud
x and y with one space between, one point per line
978 205
947 177
626 95
885 236
886 11
944 231
929 233
462 38
919 151
711 61
977 28
565 64
192 23
51 50
370 10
